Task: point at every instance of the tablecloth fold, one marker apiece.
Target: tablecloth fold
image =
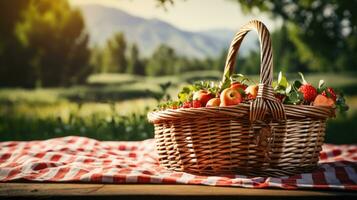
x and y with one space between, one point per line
88 160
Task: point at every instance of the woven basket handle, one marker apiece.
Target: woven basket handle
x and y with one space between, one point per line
265 99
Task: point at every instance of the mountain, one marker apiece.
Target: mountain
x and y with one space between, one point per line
249 43
102 22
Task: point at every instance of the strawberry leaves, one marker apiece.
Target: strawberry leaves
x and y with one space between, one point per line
294 96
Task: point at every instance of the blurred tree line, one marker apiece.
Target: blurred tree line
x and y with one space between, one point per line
45 43
118 56
42 43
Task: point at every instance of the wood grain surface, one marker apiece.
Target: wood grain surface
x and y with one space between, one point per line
153 191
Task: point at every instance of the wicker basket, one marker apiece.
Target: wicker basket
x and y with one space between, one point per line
264 138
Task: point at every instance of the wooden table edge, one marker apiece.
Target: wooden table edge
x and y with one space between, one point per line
85 189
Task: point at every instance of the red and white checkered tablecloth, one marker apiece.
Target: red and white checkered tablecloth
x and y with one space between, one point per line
88 160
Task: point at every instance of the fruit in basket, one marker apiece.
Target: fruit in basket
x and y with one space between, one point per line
230 97
330 92
214 102
187 104
309 92
322 100
251 91
235 91
238 86
203 96
196 104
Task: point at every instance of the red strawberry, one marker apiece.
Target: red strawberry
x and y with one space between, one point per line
187 104
331 93
196 104
307 90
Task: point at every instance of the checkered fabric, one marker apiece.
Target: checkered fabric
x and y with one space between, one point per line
87 160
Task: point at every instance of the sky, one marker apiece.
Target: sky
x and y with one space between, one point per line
191 15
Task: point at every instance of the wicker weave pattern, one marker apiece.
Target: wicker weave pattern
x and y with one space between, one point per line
262 138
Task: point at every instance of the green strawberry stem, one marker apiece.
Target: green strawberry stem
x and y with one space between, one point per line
303 78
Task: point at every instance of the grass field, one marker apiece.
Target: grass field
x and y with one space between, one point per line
114 107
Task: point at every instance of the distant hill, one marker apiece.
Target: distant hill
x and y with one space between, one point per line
102 22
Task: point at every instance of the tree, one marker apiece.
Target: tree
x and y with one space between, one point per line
114 59
286 57
220 62
135 66
96 59
323 32
52 43
162 61
13 71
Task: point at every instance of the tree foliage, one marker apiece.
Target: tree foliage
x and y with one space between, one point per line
162 61
114 58
136 65
323 32
13 71
46 43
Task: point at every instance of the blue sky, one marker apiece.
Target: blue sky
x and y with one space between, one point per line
192 15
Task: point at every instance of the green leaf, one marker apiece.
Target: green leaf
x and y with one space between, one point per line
282 80
321 83
239 78
294 97
297 84
288 89
303 78
274 85
225 84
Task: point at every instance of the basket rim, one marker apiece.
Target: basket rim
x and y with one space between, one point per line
240 110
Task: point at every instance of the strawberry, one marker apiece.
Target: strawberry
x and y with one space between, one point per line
196 104
187 104
322 100
309 92
329 92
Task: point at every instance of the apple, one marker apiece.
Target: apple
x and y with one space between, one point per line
230 97
203 96
238 86
214 102
251 91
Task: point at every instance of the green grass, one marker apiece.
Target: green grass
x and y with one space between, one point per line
113 127
114 107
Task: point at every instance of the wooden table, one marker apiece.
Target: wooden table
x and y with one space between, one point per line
152 191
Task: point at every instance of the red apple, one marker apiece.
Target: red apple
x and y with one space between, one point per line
252 91
238 86
230 97
214 102
203 96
